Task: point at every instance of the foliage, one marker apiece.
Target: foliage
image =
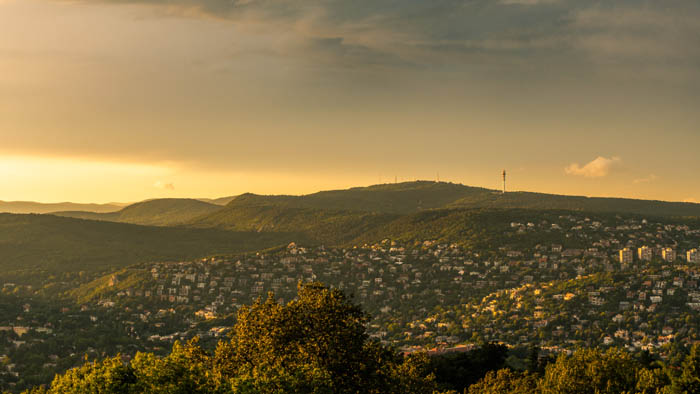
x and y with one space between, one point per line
314 344
505 381
597 372
590 371
689 379
457 371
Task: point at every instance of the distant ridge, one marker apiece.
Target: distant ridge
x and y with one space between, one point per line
411 197
411 212
37 207
160 212
342 216
218 201
421 208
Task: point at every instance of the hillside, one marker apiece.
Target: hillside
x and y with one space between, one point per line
320 225
32 243
413 210
577 203
37 207
478 228
160 212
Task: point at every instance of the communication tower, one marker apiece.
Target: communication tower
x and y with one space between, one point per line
504 181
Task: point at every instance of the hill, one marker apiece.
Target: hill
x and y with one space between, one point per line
399 198
529 200
412 210
47 243
159 212
412 197
37 207
320 225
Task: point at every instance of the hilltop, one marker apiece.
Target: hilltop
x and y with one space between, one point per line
411 197
410 210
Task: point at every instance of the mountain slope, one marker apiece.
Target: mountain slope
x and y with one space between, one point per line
160 212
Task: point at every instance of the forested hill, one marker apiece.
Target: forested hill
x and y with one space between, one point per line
160 212
577 203
411 197
55 244
335 208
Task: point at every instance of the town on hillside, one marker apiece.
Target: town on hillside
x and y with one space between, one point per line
629 282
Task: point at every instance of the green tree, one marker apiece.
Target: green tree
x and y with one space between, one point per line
688 382
505 381
108 376
652 381
314 344
319 337
591 371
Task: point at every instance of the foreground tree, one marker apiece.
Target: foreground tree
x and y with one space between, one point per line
315 344
591 371
688 381
505 381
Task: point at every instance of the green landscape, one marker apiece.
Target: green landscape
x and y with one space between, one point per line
454 271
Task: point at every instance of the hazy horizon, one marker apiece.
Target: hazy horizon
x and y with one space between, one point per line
202 198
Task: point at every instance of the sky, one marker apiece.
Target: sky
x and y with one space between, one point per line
123 100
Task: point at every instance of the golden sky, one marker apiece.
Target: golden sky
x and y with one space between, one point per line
119 100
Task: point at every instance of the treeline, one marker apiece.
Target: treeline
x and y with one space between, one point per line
318 343
598 372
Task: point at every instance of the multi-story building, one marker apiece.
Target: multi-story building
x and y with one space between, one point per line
693 256
626 256
645 253
668 255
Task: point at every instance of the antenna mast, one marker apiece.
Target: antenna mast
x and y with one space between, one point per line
504 181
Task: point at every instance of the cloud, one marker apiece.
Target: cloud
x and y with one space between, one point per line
597 168
650 178
528 2
164 185
625 37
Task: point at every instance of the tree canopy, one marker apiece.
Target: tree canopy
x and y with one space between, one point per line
316 343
